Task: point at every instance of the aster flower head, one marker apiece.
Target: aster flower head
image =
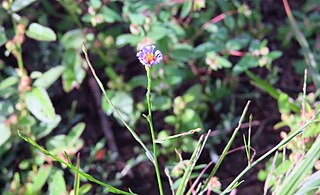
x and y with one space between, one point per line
147 57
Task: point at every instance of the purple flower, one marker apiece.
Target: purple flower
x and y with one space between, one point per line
147 57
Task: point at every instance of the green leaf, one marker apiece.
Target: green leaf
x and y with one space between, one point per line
186 8
84 189
170 119
8 82
40 105
57 184
40 33
230 22
75 134
137 81
43 129
248 61
49 77
176 29
3 38
6 108
38 180
218 62
238 43
130 39
209 47
5 134
174 75
18 5
275 55
109 15
192 95
137 18
71 142
161 103
122 101
283 103
95 3
74 74
223 62
190 120
182 52
72 39
157 32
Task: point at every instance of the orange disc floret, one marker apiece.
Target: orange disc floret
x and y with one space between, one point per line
149 58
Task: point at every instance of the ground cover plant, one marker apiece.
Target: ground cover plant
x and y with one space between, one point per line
159 97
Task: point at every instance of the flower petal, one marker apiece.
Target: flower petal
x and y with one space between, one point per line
142 54
158 57
149 49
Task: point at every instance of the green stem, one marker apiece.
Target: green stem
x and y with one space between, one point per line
19 57
149 119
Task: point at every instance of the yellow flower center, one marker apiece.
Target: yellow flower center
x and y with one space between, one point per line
149 57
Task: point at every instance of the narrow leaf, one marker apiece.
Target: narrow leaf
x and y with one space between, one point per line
49 77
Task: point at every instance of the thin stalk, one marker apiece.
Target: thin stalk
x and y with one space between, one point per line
18 44
226 149
282 143
76 185
135 136
149 119
249 140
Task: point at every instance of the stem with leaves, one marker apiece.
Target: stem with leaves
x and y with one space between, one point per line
149 119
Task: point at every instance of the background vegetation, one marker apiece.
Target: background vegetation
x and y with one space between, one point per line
217 55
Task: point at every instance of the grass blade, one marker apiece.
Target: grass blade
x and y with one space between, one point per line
195 156
300 171
226 149
281 144
89 177
76 177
